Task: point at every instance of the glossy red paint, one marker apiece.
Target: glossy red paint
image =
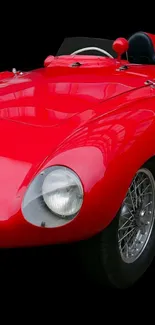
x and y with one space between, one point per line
94 118
48 60
6 74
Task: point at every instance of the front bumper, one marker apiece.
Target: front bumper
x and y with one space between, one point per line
17 232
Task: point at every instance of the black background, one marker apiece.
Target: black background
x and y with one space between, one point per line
28 35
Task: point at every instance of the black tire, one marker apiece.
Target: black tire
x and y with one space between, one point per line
102 259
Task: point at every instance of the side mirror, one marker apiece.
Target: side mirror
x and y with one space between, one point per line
120 46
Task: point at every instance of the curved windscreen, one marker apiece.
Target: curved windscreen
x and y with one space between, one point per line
72 44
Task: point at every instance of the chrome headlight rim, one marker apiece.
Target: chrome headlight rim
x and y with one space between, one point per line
40 214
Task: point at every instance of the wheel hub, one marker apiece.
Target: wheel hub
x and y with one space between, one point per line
140 217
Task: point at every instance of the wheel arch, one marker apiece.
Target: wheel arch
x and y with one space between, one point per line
151 162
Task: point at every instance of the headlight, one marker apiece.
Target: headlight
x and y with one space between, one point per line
53 198
62 192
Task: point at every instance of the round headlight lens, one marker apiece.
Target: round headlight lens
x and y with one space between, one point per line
62 192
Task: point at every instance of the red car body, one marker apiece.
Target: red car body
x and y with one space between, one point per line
94 118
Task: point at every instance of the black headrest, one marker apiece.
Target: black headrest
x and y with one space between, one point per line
141 49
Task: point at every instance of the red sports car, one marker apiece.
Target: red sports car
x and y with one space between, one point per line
77 155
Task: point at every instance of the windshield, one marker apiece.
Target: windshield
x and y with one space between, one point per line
87 46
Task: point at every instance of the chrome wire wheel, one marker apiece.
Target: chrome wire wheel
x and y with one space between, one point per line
137 216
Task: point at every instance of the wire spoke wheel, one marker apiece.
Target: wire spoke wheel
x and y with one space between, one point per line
137 216
120 254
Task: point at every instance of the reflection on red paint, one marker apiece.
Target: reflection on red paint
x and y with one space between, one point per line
95 119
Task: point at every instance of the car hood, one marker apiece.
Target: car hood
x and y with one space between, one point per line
50 96
33 107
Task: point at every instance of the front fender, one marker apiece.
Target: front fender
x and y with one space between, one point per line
106 153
